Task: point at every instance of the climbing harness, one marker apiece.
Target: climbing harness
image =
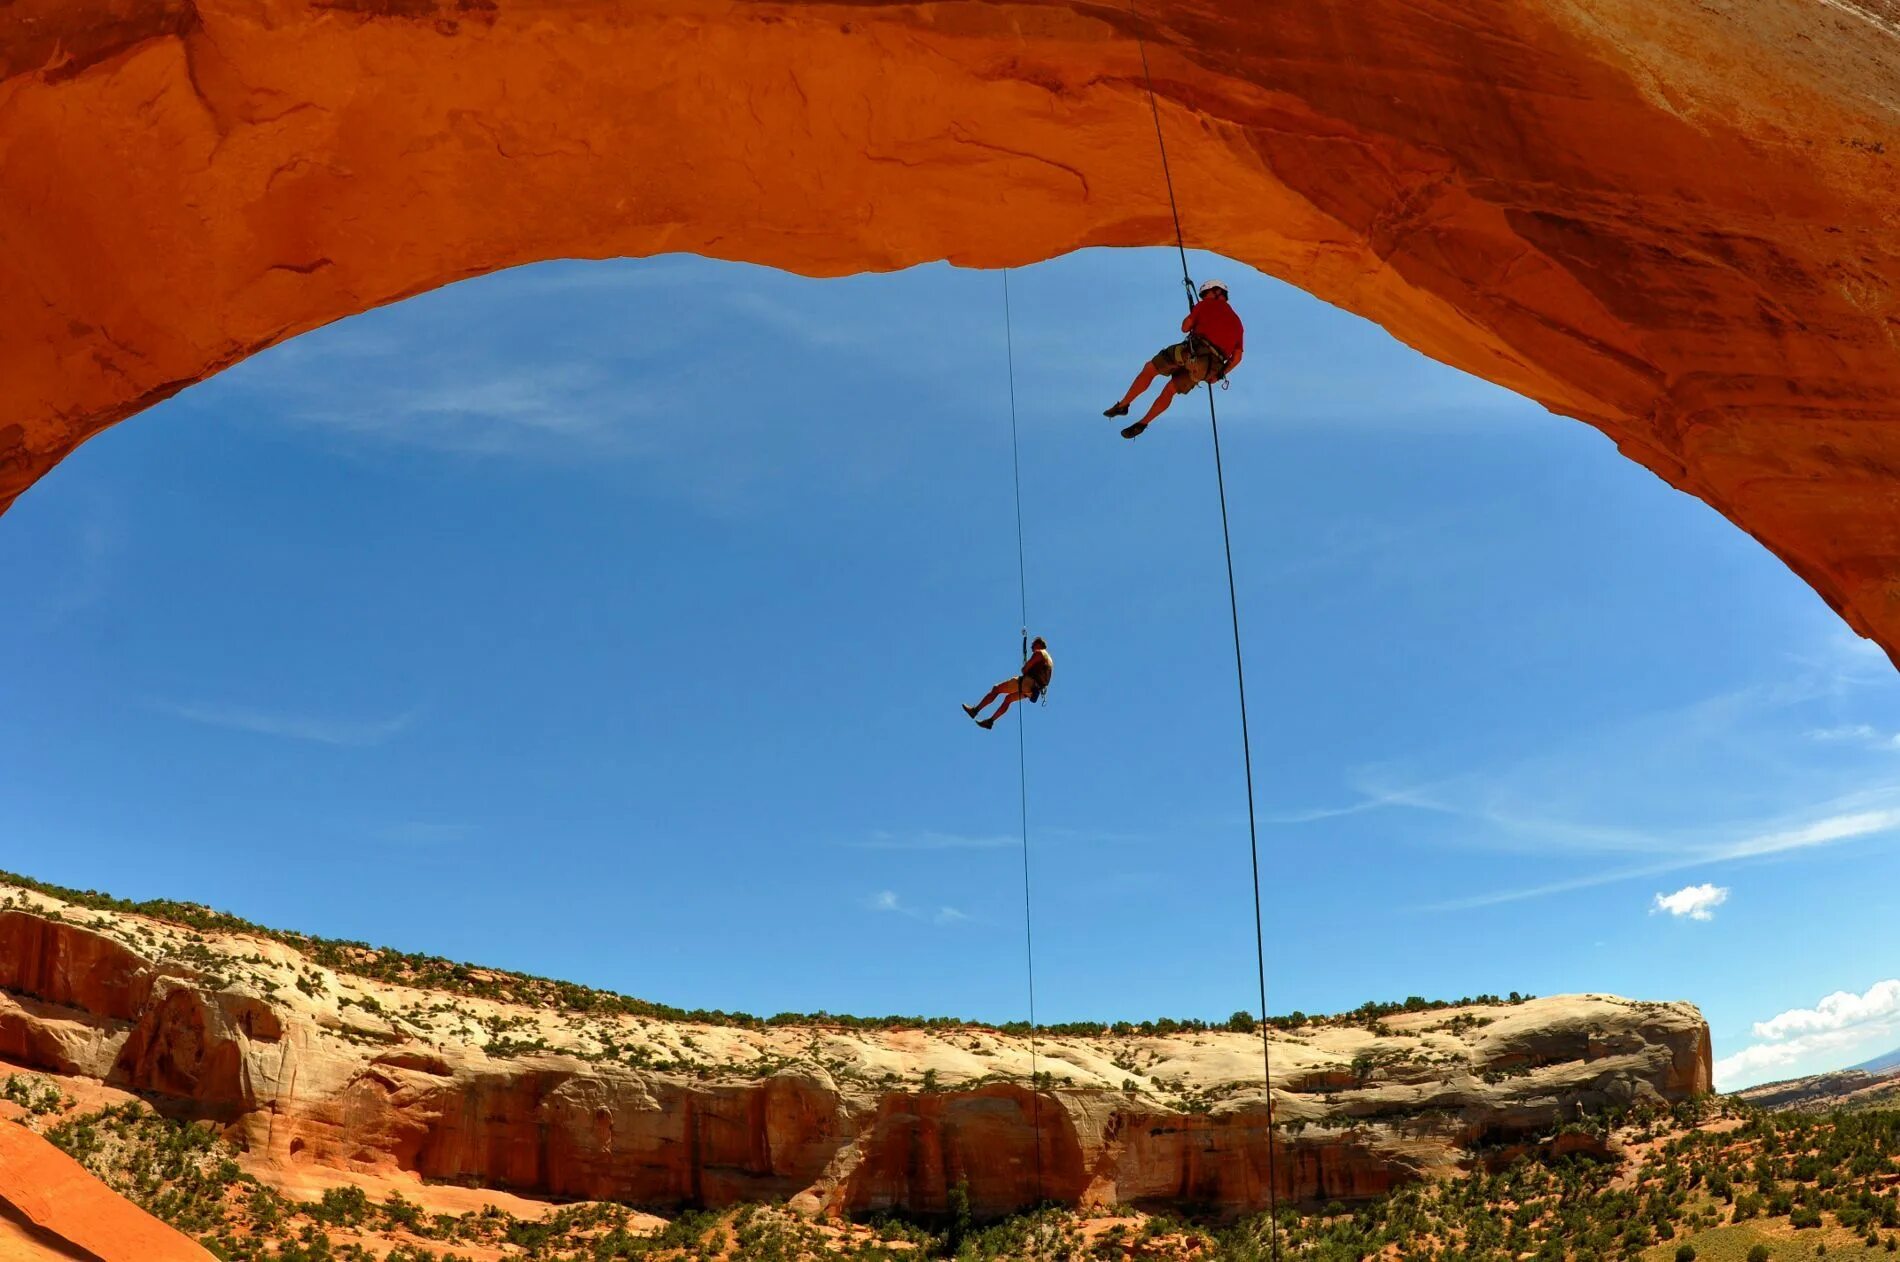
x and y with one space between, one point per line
1240 674
1022 754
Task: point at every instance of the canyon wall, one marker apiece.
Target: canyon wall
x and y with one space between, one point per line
305 1068
1678 223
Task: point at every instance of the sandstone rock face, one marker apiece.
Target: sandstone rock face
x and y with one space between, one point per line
52 1208
1676 223
310 1070
1823 1093
65 965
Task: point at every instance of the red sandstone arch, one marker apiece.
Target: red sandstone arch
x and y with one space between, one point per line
1679 223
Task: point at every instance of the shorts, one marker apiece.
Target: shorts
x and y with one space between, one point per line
1189 363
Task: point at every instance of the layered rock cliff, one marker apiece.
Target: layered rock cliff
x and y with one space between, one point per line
1675 222
307 1069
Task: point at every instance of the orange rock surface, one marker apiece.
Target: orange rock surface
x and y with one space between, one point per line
52 1208
322 1077
1679 223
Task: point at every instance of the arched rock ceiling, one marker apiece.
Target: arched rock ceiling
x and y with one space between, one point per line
1678 222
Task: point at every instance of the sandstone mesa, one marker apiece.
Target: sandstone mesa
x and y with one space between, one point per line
1678 223
316 1074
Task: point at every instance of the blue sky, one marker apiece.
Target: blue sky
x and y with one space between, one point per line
609 621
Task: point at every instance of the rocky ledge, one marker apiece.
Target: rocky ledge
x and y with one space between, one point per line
315 1071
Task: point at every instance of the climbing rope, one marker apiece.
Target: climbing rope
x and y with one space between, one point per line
1022 753
1166 174
1240 670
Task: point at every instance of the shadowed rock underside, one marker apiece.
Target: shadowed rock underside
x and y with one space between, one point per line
1678 223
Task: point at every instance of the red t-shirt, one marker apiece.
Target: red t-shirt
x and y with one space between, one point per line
1216 321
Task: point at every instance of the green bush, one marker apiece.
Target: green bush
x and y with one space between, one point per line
960 1219
1758 1253
1685 1253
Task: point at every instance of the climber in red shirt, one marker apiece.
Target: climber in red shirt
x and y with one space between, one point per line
1211 350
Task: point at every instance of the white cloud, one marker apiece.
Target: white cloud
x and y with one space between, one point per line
885 900
1840 1010
1794 1042
1697 902
322 731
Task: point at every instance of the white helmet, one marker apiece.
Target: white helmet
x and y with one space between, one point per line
1209 286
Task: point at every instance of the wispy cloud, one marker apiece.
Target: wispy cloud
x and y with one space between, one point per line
576 276
1831 826
86 573
422 832
541 410
1859 734
1720 779
1796 1040
351 733
1378 800
793 321
1848 732
932 841
888 901
1839 664
1697 902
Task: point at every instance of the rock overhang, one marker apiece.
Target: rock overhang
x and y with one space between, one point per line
1675 225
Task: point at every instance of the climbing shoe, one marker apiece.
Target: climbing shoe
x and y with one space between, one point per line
970 710
1134 431
987 724
1120 409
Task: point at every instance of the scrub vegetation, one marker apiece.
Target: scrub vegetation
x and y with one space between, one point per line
1709 1182
435 973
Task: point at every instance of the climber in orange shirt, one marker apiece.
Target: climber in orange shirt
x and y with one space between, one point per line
1028 686
1212 349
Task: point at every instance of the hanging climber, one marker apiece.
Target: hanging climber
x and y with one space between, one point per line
1028 686
1211 350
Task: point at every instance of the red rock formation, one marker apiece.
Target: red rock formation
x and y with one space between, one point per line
58 1210
1676 224
72 967
296 1088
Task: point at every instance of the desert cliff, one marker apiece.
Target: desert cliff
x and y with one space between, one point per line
308 1070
